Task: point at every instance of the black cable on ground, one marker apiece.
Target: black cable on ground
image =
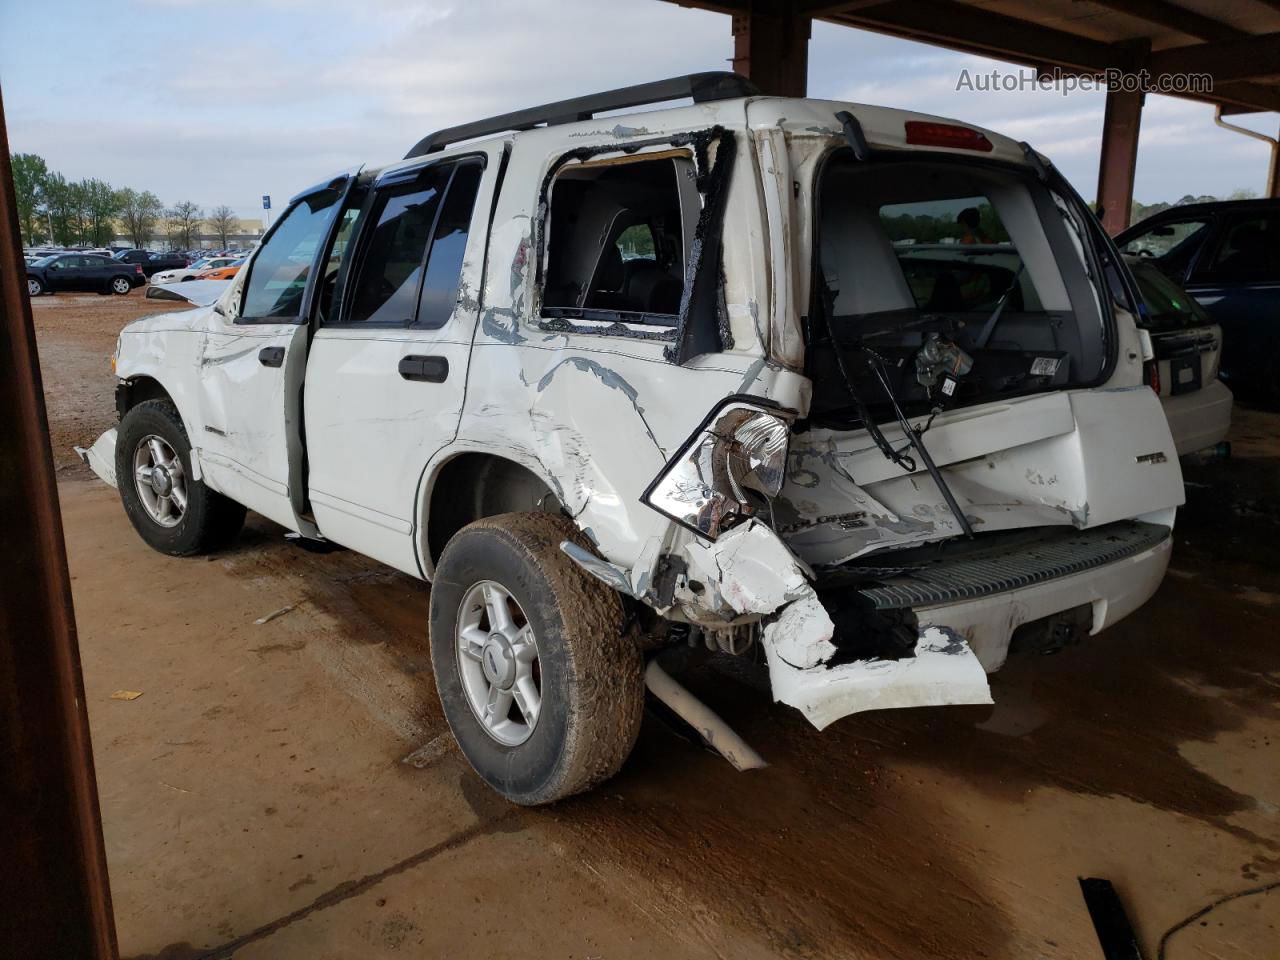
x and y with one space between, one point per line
1213 906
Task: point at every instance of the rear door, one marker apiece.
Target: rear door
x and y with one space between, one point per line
387 366
253 361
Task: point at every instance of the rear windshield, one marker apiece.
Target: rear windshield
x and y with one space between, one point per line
1166 305
948 284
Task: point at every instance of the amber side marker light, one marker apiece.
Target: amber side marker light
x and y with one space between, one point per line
926 134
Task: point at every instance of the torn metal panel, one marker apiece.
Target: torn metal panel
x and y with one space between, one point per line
101 457
749 568
602 570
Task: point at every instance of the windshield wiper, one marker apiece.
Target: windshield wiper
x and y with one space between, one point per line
898 457
916 441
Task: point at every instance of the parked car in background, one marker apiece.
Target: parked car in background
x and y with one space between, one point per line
222 273
1187 347
66 272
151 262
1227 256
191 271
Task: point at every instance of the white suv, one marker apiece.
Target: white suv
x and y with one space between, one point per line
855 387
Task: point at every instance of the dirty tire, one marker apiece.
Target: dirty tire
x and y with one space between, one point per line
210 519
592 676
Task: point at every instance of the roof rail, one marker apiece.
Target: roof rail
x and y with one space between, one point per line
702 87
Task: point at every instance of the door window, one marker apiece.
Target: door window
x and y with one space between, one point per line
278 274
409 263
449 243
1249 252
1170 245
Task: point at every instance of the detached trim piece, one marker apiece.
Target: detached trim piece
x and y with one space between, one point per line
1005 564
700 87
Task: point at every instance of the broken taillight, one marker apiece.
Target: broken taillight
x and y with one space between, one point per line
928 134
1151 374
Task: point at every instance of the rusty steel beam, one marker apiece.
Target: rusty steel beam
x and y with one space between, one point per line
1119 158
1244 58
1170 15
772 51
54 890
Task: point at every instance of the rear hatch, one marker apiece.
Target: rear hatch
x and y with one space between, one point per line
1187 344
966 300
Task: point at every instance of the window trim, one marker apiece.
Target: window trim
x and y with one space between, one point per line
304 303
358 245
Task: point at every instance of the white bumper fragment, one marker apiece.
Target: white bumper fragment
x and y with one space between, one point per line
751 571
101 457
943 672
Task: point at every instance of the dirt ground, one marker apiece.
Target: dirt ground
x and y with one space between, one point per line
257 803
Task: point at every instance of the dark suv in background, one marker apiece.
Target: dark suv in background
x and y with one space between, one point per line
151 262
1227 256
64 272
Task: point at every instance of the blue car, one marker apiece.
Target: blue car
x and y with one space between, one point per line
1227 256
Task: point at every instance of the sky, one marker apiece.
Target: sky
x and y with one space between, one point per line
221 102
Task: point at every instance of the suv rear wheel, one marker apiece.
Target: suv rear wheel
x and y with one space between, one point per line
541 688
171 510
121 285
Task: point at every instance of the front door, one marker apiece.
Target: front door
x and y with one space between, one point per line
253 361
388 363
65 275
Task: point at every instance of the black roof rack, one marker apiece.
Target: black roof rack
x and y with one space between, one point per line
702 87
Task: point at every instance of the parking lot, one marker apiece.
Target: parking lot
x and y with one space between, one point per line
285 785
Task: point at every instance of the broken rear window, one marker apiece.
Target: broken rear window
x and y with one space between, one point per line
620 233
946 284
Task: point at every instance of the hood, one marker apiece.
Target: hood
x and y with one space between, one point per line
200 292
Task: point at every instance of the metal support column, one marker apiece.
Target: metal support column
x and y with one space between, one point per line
54 896
1119 158
771 48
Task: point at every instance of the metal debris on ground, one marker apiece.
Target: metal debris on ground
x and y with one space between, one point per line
126 695
273 614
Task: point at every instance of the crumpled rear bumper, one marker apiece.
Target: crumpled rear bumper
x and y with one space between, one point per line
957 642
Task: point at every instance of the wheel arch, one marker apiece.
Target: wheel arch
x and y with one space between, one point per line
470 485
140 387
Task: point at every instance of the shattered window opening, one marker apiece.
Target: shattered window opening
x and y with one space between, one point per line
620 237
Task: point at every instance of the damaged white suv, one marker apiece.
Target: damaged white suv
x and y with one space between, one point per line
855 388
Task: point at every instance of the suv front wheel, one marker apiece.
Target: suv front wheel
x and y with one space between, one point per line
171 510
541 688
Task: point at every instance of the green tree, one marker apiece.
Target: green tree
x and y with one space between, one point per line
140 211
58 208
29 175
103 206
78 210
